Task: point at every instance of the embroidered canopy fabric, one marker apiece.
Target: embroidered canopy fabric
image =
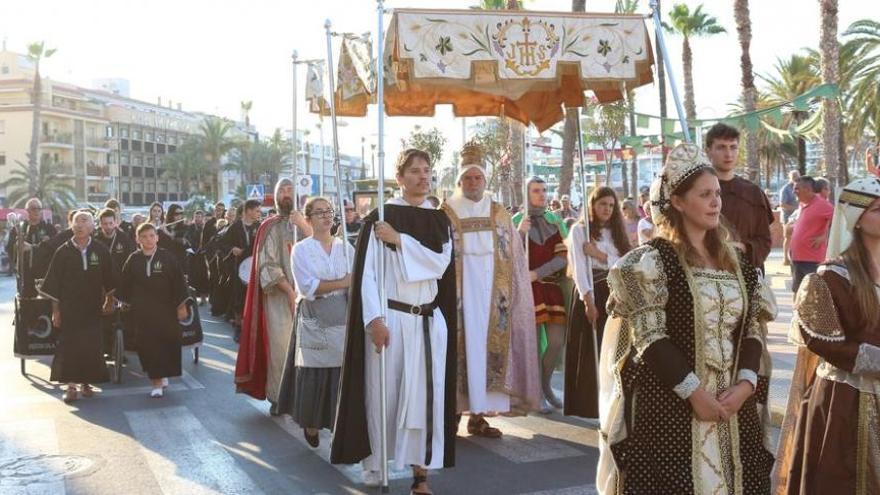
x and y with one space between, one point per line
520 64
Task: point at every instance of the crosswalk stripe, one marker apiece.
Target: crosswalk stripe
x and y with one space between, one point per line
353 472
574 490
184 456
520 444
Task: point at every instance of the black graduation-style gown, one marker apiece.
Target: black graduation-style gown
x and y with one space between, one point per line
36 261
154 299
79 286
241 236
120 246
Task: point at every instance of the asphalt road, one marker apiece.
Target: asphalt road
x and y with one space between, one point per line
202 438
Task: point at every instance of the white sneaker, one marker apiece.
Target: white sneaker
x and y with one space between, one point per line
157 393
164 383
372 478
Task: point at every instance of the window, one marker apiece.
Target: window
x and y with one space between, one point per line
151 187
111 159
139 160
138 186
2 158
148 136
123 132
151 161
135 134
124 159
108 131
149 172
126 187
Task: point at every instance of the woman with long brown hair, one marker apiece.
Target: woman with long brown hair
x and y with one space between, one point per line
590 259
829 440
683 351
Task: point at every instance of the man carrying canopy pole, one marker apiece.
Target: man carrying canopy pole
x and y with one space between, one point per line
417 335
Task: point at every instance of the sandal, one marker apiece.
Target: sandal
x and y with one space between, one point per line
479 427
418 479
87 391
69 395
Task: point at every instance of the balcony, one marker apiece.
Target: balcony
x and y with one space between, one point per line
58 139
98 144
97 171
60 168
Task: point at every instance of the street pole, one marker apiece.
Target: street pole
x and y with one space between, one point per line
586 212
658 30
380 257
321 177
336 166
363 159
293 148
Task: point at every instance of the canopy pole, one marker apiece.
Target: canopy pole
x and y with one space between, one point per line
336 166
658 30
585 206
525 181
380 258
293 149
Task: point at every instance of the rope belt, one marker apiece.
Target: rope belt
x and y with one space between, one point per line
425 311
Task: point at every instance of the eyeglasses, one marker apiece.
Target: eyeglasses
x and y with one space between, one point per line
322 213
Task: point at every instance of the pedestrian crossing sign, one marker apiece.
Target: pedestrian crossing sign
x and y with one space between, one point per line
256 191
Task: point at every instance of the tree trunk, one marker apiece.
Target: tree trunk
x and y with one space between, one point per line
687 59
830 50
33 158
744 31
661 83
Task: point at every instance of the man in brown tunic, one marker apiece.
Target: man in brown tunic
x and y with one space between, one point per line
744 206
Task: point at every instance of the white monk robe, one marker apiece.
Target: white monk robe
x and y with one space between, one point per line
411 275
478 262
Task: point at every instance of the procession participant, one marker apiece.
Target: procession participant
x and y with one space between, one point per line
420 320
172 235
36 251
114 239
239 240
152 284
157 214
546 235
123 225
744 206
567 210
607 242
270 303
681 359
829 437
497 345
197 266
631 218
322 281
80 282
353 222
136 220
209 251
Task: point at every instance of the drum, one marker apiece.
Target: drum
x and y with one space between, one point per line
244 269
34 333
191 327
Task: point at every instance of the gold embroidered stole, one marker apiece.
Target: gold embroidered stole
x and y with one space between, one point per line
498 339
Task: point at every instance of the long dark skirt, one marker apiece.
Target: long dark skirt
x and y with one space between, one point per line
581 382
313 402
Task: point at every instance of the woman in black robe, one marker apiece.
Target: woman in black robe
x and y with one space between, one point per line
152 283
80 280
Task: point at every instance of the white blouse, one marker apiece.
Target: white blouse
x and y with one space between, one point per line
311 264
581 268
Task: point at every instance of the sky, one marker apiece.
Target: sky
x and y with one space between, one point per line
211 55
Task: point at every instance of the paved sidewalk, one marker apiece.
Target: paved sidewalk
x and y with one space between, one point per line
783 353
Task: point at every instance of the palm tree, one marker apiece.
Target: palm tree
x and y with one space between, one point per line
834 166
55 192
246 113
794 76
569 136
186 164
690 25
629 7
750 94
860 71
497 5
215 143
36 52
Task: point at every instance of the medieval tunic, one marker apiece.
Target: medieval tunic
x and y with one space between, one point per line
273 265
419 272
36 261
547 257
78 280
675 328
747 212
581 382
154 287
497 345
320 331
830 440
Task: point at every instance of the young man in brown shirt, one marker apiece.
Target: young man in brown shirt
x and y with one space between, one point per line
744 206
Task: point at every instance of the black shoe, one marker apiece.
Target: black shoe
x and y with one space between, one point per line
312 440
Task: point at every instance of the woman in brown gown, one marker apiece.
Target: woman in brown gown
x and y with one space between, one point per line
830 440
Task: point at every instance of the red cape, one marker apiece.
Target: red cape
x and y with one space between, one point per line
253 351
